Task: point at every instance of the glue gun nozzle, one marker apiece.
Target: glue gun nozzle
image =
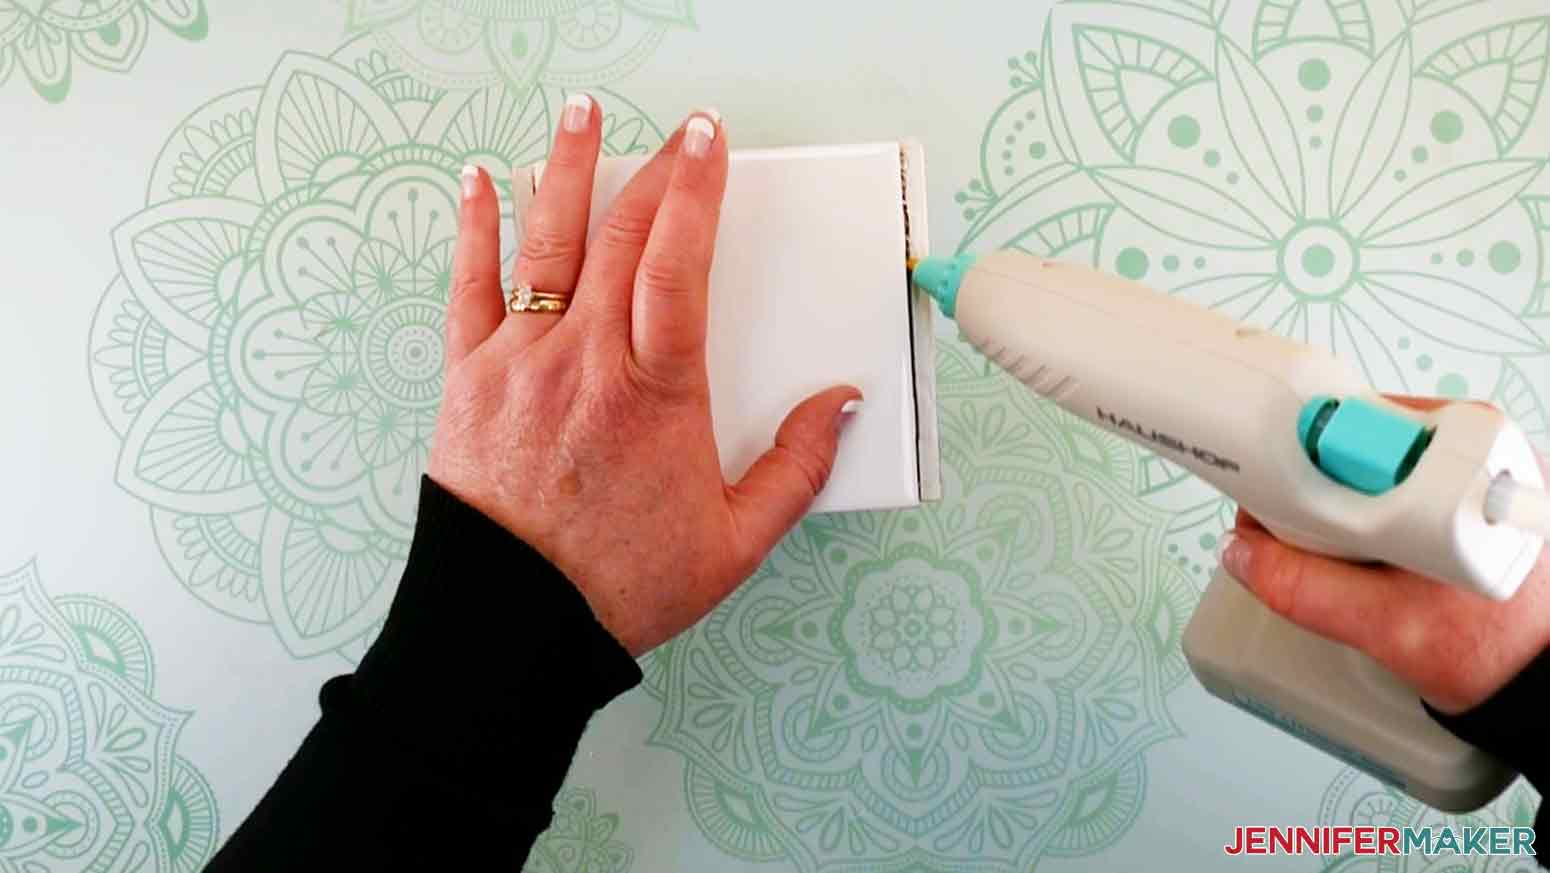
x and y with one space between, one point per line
909 264
939 276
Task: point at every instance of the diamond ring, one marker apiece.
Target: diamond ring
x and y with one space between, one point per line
524 299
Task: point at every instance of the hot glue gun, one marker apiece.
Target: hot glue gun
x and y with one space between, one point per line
1302 443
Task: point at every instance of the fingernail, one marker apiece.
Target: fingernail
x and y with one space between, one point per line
578 113
698 135
847 412
1234 554
470 180
713 115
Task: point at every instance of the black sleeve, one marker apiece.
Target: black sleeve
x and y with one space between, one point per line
446 748
1508 727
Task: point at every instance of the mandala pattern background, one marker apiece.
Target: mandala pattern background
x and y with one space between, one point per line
968 686
1356 799
270 353
580 839
1365 176
43 41
90 778
971 686
480 43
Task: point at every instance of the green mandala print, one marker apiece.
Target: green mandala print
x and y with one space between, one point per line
270 353
1356 799
580 839
517 43
968 686
1365 176
43 40
90 779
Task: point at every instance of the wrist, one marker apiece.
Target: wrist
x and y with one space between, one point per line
1503 724
468 654
473 592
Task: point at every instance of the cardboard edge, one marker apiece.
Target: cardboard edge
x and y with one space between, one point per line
923 333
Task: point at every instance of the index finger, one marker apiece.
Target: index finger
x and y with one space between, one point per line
1373 609
671 295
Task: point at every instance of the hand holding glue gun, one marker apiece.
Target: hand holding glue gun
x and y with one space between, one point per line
1455 648
1386 594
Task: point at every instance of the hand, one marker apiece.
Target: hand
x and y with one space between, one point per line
588 434
1454 647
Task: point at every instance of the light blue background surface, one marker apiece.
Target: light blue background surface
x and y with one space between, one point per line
791 73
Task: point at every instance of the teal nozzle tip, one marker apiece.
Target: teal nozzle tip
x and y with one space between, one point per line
939 277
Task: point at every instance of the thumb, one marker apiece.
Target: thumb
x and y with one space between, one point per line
1364 608
780 487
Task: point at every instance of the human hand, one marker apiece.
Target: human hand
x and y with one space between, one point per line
588 434
1453 647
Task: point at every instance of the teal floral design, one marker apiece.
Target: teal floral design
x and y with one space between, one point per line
44 39
1354 798
270 353
482 43
911 637
579 839
1391 223
1368 181
967 686
89 774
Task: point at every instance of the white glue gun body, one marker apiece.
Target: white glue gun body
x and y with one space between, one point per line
1303 444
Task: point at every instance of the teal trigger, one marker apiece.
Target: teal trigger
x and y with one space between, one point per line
1359 444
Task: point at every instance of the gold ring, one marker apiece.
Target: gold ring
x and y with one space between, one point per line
524 299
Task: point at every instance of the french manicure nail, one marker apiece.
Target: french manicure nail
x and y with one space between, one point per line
847 412
698 135
470 180
578 113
